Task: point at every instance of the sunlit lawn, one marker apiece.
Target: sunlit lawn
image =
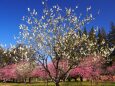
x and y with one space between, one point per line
62 84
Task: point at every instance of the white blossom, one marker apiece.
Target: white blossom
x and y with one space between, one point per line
88 8
28 9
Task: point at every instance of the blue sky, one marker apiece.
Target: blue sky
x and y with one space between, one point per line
11 12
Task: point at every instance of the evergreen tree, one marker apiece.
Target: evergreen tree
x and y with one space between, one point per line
1 56
93 40
79 32
103 32
101 36
111 35
92 34
85 31
103 43
111 40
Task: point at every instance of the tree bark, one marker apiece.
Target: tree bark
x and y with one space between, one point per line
69 79
81 79
75 79
25 80
13 80
57 84
29 79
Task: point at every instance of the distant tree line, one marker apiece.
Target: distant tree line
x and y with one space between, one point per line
9 56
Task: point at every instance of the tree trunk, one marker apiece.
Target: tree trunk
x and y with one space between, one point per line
75 79
29 79
69 79
16 80
57 84
25 80
13 80
81 79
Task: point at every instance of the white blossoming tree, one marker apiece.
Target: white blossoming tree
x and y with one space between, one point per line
24 69
21 52
55 37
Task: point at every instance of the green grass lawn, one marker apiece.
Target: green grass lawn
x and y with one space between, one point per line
62 84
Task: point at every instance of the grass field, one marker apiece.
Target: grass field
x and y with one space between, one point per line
61 84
